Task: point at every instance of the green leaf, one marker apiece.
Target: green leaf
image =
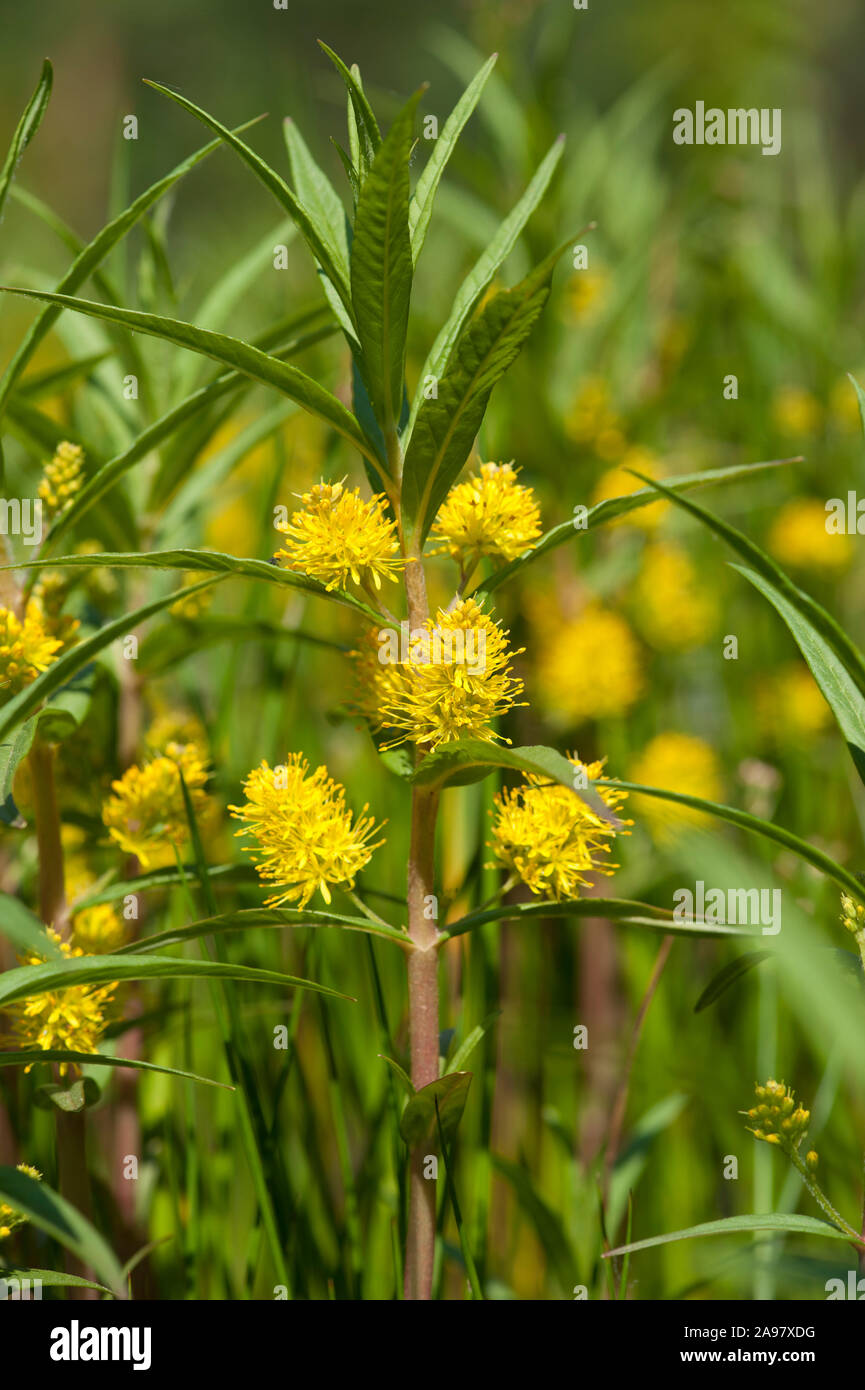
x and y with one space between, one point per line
26 128
400 1072
633 1159
244 918
28 980
316 191
28 1057
278 187
12 751
420 208
209 561
731 1225
418 1125
462 1054
602 513
50 1278
163 878
366 124
446 426
826 626
24 929
56 379
90 257
621 910
232 352
51 1213
547 1222
481 276
471 759
837 686
768 829
22 705
381 270
732 971
72 1097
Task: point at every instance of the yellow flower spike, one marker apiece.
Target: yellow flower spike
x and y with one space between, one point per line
548 837
146 815
782 1120
488 514
307 839
71 1019
811 1161
9 1217
336 536
62 478
27 648
447 680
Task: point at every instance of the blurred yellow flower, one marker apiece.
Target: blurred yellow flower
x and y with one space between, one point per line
545 835
789 704
70 1020
592 421
49 594
619 482
98 929
26 648
587 292
674 609
62 477
146 816
678 763
588 667
193 605
336 536
176 726
796 412
306 838
488 514
798 537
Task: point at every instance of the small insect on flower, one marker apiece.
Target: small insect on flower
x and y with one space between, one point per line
9 1217
447 680
62 477
307 839
26 649
777 1118
488 514
550 839
146 815
66 1020
336 536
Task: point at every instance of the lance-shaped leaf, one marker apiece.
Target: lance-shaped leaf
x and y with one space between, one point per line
26 128
420 209
51 1213
24 929
28 1057
481 275
447 424
745 821
231 352
90 257
471 759
725 978
28 980
418 1125
620 910
611 509
209 561
837 686
27 701
318 194
245 918
381 269
307 227
366 128
733 1225
48 1278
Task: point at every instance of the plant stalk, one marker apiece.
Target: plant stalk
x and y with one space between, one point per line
51 888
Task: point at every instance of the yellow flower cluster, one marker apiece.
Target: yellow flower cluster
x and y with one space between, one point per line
789 705
777 1118
336 536
451 679
675 610
488 514
62 477
589 667
796 412
307 840
678 763
49 594
71 1019
798 537
26 648
9 1217
550 838
146 815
